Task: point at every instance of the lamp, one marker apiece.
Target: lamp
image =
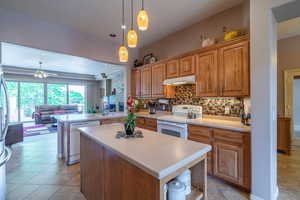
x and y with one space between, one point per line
123 52
132 37
143 19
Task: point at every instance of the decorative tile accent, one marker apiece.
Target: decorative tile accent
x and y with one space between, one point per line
185 94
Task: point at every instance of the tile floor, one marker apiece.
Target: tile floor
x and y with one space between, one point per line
34 172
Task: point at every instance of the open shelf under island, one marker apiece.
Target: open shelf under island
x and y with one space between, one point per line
138 169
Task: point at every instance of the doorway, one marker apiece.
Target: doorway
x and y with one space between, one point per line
292 102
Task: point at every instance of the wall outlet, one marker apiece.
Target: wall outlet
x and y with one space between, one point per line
227 110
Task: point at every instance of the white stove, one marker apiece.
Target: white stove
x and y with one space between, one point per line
176 124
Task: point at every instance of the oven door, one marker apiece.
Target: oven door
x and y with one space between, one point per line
172 128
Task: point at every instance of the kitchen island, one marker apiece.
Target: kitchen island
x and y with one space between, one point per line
68 138
140 168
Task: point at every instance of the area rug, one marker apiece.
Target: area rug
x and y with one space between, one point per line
38 130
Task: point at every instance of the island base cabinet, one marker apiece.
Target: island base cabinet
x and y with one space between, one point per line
107 176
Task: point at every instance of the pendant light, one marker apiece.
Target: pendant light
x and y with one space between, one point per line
143 19
123 52
132 37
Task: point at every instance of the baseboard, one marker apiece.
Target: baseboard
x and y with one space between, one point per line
253 197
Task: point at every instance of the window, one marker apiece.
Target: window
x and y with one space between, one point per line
57 94
13 99
77 96
31 95
24 96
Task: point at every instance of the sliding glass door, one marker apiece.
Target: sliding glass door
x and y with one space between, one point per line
24 96
56 94
31 95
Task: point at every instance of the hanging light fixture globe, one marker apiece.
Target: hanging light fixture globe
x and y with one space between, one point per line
123 54
143 20
132 38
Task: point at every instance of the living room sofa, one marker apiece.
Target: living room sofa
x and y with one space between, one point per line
43 114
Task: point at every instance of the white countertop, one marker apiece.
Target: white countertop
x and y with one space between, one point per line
229 123
88 116
221 123
157 154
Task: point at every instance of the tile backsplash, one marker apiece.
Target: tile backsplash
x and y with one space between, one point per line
185 94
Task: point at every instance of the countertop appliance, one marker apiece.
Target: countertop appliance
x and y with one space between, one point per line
176 124
152 107
5 152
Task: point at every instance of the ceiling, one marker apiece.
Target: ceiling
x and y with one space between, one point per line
25 57
102 17
289 28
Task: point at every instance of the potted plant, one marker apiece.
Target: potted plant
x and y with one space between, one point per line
130 120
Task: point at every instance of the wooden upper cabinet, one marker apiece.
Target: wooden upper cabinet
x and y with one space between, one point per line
146 82
207 74
187 66
158 76
234 70
136 83
172 69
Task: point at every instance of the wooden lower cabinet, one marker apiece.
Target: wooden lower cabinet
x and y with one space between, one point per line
107 176
230 157
146 123
284 134
203 135
111 121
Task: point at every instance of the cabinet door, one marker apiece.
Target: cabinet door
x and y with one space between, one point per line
140 122
228 162
207 74
232 157
187 66
146 82
136 83
234 70
172 69
158 76
151 124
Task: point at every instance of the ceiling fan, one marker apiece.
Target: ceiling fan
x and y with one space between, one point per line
42 74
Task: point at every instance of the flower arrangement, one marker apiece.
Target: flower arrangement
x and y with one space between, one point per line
130 120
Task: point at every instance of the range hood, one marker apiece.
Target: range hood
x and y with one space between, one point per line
181 80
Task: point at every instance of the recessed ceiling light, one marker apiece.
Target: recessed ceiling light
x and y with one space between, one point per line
113 35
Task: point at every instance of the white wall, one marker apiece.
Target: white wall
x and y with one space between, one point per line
24 30
263 29
297 103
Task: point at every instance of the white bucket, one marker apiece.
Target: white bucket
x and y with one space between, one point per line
185 178
176 190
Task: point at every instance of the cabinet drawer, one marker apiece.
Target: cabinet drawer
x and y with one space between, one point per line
151 124
199 131
140 122
228 136
111 121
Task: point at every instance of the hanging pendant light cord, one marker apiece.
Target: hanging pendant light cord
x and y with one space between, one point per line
142 4
131 14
